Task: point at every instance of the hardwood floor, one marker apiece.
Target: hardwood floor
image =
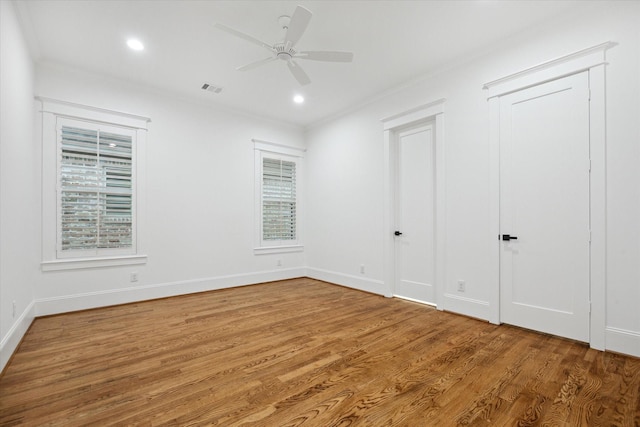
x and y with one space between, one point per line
304 352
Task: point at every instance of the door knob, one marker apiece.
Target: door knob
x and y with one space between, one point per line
397 233
507 237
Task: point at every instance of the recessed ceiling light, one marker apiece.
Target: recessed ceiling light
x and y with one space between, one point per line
135 44
298 99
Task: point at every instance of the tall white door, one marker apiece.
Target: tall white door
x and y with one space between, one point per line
414 240
544 207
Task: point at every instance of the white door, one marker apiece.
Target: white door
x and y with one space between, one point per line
544 207
414 240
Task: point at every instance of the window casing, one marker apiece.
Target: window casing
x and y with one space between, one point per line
278 190
92 195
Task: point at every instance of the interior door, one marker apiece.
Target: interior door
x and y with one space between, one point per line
414 240
544 207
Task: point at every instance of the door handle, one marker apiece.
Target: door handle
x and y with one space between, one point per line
397 233
507 237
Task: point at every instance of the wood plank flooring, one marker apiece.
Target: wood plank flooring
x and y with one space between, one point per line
306 353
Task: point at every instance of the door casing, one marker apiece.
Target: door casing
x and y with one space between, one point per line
431 112
593 60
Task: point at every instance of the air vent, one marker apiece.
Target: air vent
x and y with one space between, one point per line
211 88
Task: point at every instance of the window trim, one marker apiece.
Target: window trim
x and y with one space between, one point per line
51 110
283 152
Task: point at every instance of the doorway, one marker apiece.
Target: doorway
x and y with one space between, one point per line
591 63
545 207
414 204
414 234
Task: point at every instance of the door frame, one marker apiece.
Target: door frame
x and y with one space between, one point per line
593 60
392 125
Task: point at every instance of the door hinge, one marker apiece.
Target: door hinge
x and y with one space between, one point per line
589 236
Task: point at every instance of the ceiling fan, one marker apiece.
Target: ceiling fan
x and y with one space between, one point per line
294 27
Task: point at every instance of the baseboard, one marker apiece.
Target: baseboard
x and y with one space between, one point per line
623 341
13 337
466 306
84 301
350 281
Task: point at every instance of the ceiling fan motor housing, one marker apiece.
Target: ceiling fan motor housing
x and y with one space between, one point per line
283 52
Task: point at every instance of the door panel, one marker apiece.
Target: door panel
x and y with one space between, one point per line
415 215
544 202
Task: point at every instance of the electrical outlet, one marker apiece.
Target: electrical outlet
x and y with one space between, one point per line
361 268
134 276
461 286
279 263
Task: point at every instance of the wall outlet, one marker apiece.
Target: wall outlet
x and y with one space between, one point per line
279 263
361 268
133 277
461 286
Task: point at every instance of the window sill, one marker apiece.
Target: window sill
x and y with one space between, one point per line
277 249
79 263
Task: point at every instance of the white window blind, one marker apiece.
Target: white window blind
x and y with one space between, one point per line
96 198
278 200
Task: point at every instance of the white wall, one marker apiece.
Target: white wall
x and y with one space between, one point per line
345 159
344 201
19 185
199 230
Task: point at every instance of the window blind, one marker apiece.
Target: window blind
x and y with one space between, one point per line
278 199
96 198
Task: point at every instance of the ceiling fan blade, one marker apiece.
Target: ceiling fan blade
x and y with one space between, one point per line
325 55
256 64
243 36
298 73
297 25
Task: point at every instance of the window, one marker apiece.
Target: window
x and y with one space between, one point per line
278 200
278 188
92 213
95 196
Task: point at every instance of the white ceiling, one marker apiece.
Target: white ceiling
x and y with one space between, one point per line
393 42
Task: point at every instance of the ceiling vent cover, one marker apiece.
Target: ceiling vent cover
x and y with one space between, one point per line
211 88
